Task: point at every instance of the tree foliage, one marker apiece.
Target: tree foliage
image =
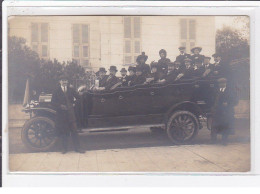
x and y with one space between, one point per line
231 45
23 63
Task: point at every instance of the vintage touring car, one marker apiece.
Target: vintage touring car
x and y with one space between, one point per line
175 108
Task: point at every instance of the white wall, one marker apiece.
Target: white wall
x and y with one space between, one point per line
107 36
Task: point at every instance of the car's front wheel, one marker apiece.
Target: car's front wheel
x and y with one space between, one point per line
182 127
39 134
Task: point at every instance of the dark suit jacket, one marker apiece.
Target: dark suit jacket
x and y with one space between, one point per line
138 80
64 118
124 81
145 69
223 109
110 81
172 75
199 72
197 58
182 57
130 80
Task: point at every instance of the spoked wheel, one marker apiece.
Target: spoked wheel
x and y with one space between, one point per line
39 134
182 127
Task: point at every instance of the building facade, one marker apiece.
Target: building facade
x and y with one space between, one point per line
96 41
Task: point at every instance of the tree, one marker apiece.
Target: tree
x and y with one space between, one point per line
231 45
22 63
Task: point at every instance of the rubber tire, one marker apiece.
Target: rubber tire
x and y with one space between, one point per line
24 138
174 115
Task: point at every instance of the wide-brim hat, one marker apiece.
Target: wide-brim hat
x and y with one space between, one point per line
102 69
182 48
222 80
199 48
142 56
63 77
216 55
131 68
123 70
113 68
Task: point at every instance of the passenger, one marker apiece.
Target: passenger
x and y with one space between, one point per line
173 72
141 59
189 70
180 69
154 76
124 78
163 64
110 80
139 79
208 67
199 69
132 75
197 57
183 55
101 76
218 68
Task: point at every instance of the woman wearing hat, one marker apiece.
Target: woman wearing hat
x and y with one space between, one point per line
163 64
140 60
197 57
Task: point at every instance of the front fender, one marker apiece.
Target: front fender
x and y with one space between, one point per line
40 111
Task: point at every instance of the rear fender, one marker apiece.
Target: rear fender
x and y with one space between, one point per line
187 106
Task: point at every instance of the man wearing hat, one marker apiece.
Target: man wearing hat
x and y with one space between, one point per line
140 78
208 67
163 64
141 59
101 76
63 102
183 55
173 72
223 111
124 78
111 79
197 57
132 75
189 69
218 68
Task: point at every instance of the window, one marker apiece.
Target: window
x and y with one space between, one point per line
80 53
40 39
132 39
188 33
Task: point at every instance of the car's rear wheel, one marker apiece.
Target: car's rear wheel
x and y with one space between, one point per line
39 134
182 127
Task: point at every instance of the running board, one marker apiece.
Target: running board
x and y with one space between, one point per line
120 128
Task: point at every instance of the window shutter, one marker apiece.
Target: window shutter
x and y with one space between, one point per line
183 23
44 51
85 51
192 29
84 33
137 46
44 32
34 32
76 51
127 46
137 27
127 27
76 33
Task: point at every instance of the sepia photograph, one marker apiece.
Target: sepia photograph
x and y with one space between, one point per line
129 94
